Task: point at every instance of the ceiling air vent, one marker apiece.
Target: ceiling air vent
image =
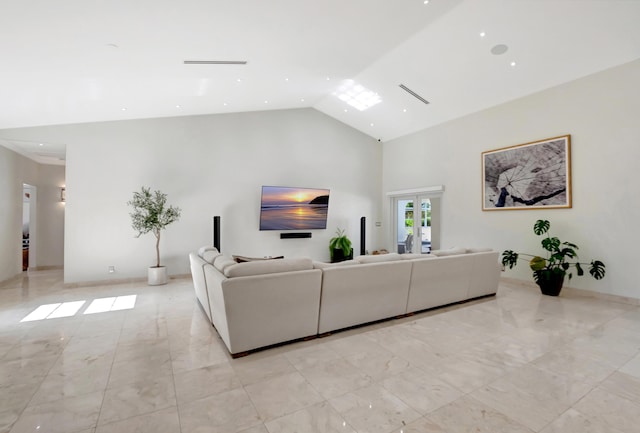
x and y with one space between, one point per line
215 62
412 93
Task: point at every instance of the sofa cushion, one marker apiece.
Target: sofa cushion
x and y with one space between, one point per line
478 250
261 267
202 250
391 257
210 255
222 262
415 256
242 259
450 252
323 265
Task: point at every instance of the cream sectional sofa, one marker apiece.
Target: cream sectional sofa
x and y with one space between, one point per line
262 303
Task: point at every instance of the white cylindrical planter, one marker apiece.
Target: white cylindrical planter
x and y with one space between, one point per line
157 276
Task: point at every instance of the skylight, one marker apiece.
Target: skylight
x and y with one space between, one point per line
357 95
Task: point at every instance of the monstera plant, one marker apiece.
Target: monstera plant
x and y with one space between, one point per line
561 259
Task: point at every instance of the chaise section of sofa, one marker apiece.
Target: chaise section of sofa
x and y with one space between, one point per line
259 304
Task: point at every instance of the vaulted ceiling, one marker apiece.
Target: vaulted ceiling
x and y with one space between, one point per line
74 61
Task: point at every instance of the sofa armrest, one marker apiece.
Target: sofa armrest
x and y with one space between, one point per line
199 282
485 274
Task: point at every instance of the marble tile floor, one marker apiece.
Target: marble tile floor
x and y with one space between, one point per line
517 362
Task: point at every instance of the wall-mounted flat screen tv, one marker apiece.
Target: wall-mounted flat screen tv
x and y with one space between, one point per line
288 208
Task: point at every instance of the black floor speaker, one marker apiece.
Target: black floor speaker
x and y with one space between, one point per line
363 225
216 232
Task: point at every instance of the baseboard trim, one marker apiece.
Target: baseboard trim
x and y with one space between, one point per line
119 281
46 268
572 291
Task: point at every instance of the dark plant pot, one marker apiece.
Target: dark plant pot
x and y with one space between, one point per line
550 283
338 256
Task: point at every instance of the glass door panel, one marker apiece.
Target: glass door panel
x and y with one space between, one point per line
404 227
425 225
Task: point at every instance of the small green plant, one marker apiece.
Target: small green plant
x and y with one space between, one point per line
151 214
559 260
340 242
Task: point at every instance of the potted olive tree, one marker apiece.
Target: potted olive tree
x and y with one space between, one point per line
549 272
152 214
340 247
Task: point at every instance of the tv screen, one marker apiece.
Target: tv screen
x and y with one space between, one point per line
287 208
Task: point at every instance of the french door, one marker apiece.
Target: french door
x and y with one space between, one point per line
416 223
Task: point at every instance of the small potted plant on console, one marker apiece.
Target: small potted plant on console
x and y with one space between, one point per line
549 272
340 247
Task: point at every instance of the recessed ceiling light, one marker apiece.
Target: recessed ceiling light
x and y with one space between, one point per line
346 111
266 102
224 103
513 64
483 34
499 49
426 2
404 110
41 145
328 78
124 108
239 80
178 107
371 124
286 79
302 100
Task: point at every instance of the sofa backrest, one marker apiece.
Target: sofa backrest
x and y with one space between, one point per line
452 278
439 281
353 295
391 257
261 267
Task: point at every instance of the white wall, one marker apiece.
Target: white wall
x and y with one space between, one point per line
601 112
207 165
50 217
10 213
14 171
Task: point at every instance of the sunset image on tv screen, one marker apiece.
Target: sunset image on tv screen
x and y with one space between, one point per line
287 208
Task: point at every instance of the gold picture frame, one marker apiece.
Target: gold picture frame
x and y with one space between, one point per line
535 175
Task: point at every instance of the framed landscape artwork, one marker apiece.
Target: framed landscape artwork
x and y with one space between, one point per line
533 175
